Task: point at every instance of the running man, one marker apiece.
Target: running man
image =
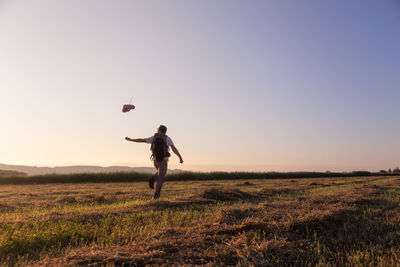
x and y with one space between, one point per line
160 144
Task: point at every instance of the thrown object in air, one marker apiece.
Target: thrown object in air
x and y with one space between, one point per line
127 107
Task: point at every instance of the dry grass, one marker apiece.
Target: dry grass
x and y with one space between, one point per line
344 221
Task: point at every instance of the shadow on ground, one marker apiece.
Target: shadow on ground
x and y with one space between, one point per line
335 238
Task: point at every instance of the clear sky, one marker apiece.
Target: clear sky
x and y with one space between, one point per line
241 85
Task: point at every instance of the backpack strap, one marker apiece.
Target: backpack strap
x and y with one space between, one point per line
152 147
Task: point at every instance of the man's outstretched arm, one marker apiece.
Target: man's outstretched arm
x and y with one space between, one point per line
177 153
137 140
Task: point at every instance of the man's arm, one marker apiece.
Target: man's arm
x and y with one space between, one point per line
137 140
177 153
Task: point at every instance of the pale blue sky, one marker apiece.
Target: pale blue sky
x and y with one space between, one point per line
241 85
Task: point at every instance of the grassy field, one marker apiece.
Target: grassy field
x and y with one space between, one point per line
131 177
329 221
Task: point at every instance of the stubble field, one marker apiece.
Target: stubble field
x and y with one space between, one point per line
329 221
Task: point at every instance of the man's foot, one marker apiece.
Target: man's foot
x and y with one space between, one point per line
156 196
151 181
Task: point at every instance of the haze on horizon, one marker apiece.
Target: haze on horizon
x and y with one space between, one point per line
271 85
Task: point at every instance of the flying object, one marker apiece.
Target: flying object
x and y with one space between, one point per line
128 107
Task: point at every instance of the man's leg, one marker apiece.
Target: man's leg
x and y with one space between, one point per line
154 176
162 171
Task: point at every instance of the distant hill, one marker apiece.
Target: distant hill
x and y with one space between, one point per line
33 170
5 173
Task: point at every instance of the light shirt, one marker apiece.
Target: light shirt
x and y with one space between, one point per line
169 141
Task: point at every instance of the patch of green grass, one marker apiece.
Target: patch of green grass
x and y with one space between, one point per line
31 238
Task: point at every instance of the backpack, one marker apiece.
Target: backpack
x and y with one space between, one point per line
159 147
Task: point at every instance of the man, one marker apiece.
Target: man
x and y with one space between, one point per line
160 144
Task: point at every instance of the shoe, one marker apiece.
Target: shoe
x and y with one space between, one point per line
151 181
156 197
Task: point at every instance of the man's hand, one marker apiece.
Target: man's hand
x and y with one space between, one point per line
138 140
177 153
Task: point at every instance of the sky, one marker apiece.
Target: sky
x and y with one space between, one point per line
266 85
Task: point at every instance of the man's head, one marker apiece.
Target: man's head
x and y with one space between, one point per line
162 129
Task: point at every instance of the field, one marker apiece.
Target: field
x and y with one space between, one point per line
316 221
